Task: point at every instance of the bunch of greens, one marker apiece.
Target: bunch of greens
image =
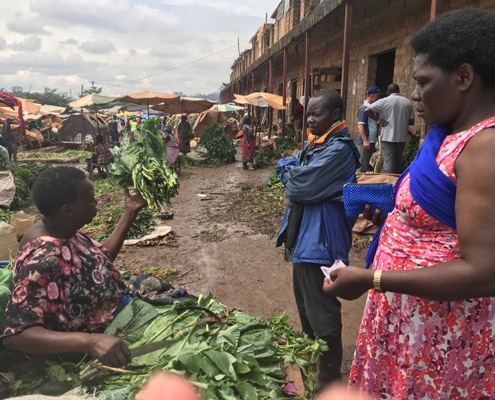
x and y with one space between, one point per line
227 354
141 165
412 149
265 156
24 176
287 144
220 149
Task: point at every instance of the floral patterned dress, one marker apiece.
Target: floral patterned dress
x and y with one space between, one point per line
414 348
63 285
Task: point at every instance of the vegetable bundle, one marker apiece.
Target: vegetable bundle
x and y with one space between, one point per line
142 165
227 354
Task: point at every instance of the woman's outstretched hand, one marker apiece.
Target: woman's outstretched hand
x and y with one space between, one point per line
134 201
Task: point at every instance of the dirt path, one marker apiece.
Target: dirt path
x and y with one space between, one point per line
224 244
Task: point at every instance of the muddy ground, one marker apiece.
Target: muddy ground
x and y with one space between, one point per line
223 243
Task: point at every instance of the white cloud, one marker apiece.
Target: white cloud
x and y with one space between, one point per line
125 46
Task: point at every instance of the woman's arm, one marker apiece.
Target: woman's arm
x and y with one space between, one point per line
107 349
468 277
133 203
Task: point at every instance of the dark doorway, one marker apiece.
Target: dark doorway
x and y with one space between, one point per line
385 64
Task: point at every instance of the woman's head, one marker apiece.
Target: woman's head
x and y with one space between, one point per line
324 109
99 139
65 189
457 37
455 57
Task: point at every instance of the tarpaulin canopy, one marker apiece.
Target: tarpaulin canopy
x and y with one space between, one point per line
262 99
226 108
8 100
186 105
91 100
149 98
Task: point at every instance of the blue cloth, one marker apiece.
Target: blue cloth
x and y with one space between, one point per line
433 190
326 231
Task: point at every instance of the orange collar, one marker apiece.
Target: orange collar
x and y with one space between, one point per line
321 139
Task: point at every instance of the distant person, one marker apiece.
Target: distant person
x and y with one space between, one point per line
184 130
367 129
248 144
298 115
9 139
113 129
315 228
101 155
133 129
394 114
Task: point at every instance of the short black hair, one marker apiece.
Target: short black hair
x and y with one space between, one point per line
332 99
99 138
55 187
462 36
393 88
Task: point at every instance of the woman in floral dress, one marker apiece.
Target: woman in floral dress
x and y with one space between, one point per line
66 289
429 323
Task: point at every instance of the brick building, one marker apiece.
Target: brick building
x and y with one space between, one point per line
347 45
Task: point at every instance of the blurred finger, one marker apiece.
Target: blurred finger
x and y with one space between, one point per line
367 212
376 217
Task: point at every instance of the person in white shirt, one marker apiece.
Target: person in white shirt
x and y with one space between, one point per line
394 114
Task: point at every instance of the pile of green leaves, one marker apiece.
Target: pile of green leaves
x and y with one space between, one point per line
81 155
220 149
142 165
265 156
24 176
287 144
227 354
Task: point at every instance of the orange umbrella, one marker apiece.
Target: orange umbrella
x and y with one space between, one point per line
149 98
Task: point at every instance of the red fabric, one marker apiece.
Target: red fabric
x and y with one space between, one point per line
18 103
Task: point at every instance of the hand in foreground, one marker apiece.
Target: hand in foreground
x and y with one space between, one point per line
168 386
134 202
349 283
109 350
375 217
340 392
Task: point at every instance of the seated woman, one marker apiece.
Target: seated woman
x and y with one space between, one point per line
101 155
66 289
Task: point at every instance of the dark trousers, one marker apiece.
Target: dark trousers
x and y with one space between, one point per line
320 317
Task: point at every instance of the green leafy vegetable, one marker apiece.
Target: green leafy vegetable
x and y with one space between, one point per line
141 165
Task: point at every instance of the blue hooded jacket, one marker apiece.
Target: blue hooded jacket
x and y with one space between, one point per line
326 231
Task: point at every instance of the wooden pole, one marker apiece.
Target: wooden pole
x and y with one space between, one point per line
346 53
307 86
284 93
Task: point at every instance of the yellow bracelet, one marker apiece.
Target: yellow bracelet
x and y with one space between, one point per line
377 281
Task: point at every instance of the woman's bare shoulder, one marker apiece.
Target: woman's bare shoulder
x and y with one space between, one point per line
35 231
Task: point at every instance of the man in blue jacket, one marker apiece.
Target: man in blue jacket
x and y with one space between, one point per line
315 228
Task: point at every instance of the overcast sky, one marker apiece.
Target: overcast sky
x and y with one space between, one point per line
125 46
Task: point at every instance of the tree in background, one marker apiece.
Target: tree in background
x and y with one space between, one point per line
49 96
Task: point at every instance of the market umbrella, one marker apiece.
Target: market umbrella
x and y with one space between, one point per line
187 105
226 108
93 99
149 99
263 99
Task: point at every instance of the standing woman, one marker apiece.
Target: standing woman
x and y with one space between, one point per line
429 324
248 144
